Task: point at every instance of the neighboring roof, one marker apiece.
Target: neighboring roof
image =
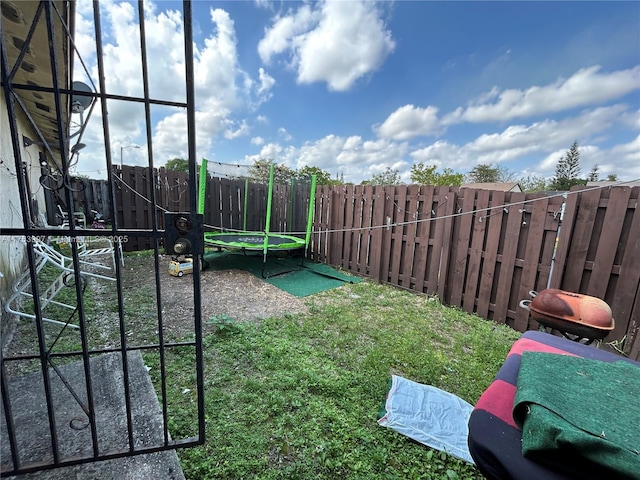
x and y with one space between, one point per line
502 186
35 68
618 183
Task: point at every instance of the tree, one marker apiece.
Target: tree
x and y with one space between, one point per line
259 172
388 177
426 175
177 164
568 170
487 173
322 177
533 183
612 177
593 174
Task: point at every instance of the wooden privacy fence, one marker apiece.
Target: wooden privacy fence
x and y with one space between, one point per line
225 204
480 250
484 251
90 195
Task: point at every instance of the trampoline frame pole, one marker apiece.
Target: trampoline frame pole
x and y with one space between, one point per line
312 202
268 220
202 186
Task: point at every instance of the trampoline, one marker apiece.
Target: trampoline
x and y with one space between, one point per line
265 241
253 241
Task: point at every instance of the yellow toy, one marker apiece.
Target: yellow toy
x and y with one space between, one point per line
178 268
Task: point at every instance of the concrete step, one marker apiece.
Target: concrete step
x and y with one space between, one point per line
29 412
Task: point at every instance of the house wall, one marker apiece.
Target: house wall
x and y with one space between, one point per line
12 251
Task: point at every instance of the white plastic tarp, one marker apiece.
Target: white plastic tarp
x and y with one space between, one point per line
428 415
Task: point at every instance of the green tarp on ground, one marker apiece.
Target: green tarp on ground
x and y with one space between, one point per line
579 414
287 273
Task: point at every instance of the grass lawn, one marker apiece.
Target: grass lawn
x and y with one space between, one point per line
297 396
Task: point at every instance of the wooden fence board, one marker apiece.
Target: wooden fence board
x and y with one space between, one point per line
126 214
422 240
214 206
438 225
298 210
492 218
607 246
567 220
349 217
338 224
327 243
535 228
409 237
550 242
476 251
587 208
356 236
460 251
397 220
226 207
377 232
508 257
627 291
449 208
365 231
387 232
319 249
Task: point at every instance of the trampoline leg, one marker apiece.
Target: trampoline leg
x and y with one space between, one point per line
264 262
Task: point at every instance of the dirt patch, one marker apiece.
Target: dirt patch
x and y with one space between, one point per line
231 293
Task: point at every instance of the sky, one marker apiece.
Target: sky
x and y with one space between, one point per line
356 87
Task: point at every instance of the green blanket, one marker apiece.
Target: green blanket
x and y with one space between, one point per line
285 273
580 415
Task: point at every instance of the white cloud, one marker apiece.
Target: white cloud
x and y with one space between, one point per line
548 164
266 4
257 141
351 157
280 36
216 64
631 119
171 135
335 42
269 151
234 130
223 89
286 136
548 140
352 143
409 122
441 154
588 86
266 82
628 152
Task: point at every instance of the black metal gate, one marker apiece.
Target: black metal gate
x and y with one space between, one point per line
90 353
